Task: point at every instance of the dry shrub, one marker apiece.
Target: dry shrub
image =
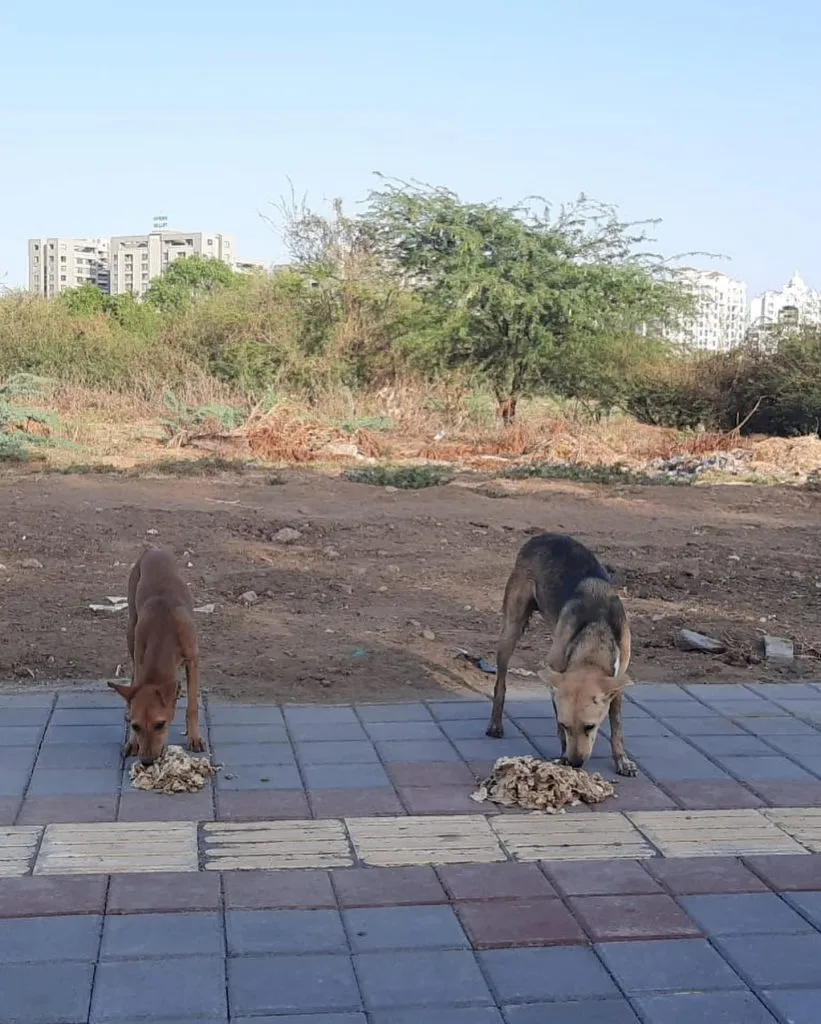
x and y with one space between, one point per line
285 435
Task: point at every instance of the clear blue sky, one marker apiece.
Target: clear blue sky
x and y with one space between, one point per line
704 114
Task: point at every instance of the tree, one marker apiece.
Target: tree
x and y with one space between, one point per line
188 278
529 300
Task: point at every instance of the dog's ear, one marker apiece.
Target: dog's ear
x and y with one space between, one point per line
550 676
618 685
123 689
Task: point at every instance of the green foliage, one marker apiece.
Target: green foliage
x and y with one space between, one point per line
188 279
408 478
617 473
185 417
16 443
530 301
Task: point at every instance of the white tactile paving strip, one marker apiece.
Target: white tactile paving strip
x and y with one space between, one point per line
276 844
404 841
118 847
438 839
17 847
802 823
571 837
735 833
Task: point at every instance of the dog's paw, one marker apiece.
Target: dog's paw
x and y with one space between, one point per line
624 766
196 743
495 731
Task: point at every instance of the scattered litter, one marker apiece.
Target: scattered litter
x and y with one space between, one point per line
206 609
688 640
31 563
248 598
222 501
287 535
153 533
481 663
176 771
778 651
538 785
358 652
689 466
115 604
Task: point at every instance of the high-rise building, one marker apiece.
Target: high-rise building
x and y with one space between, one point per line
795 303
720 321
137 259
56 264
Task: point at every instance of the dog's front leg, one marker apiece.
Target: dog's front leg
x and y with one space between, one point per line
192 724
624 766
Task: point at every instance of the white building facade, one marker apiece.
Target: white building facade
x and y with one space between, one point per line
137 259
795 303
721 318
56 264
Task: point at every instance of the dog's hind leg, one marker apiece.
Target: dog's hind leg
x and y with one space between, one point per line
624 766
519 604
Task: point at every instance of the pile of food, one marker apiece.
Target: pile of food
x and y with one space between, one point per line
176 771
539 785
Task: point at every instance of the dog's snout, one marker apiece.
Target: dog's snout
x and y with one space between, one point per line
576 762
147 761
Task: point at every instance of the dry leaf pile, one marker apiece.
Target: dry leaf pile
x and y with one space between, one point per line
541 785
176 771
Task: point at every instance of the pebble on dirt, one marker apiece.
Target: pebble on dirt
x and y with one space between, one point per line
778 651
31 563
287 535
688 640
248 598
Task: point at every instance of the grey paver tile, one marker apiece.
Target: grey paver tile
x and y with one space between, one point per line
777 962
13 781
372 929
440 1015
761 913
221 735
163 892
427 730
706 1008
45 993
447 710
261 805
669 965
285 931
80 755
73 781
291 984
732 746
244 714
551 975
808 903
84 733
796 1006
45 939
354 803
600 878
403 980
17 717
346 776
374 887
188 988
41 895
83 716
304 1018
476 749
166 935
583 1011
416 751
308 732
272 890
26 700
340 752
254 777
318 714
394 713
242 754
790 873
494 881
633 917
20 736
764 769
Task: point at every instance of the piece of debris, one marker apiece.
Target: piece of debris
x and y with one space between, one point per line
538 785
115 604
248 598
390 489
287 535
176 771
331 552
428 634
206 609
31 563
778 651
343 449
153 533
688 640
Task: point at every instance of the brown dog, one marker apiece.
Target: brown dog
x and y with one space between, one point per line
587 664
161 638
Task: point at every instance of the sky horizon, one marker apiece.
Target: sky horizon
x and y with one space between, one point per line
704 117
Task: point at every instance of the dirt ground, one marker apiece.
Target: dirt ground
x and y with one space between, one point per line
348 610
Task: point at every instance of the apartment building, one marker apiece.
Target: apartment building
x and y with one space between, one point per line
56 264
135 260
721 319
795 303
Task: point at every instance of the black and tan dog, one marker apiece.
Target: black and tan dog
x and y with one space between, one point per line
587 664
